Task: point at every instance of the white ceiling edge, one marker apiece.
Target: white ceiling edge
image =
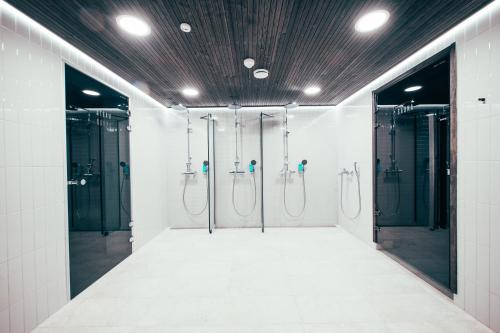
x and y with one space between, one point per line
434 47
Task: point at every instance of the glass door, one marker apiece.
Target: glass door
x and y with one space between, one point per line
412 187
99 193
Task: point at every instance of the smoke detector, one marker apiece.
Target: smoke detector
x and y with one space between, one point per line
249 63
261 73
185 27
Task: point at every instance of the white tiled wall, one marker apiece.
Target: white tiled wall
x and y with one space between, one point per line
33 195
312 137
478 69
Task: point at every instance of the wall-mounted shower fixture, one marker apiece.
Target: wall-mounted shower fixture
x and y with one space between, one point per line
286 172
237 171
394 171
190 172
125 176
350 173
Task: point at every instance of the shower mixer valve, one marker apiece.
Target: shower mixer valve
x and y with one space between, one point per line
237 168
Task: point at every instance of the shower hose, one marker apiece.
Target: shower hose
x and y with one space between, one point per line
121 197
358 212
184 199
397 190
303 196
254 196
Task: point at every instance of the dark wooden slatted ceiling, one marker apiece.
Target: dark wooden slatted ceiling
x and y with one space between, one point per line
300 42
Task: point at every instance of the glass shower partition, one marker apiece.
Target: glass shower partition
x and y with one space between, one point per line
412 187
98 193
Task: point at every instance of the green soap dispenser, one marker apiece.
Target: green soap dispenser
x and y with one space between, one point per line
251 166
301 167
204 168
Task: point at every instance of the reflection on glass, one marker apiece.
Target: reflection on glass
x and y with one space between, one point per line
99 193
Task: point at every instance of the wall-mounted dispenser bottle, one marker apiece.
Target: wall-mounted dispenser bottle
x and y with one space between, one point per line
204 168
251 166
301 167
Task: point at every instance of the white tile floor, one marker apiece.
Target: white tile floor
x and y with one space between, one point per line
235 280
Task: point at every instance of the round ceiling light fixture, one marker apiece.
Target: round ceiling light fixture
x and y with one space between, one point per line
90 92
313 90
133 25
413 88
249 63
190 92
185 27
372 21
260 73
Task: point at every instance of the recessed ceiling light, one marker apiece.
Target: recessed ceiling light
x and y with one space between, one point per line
190 92
90 92
249 63
133 25
413 88
185 27
372 20
261 73
312 90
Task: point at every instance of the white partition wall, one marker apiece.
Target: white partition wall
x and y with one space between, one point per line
478 49
312 137
33 195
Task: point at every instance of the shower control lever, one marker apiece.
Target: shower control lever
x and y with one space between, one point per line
75 182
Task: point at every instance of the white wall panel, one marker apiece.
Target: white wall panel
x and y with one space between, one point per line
312 137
